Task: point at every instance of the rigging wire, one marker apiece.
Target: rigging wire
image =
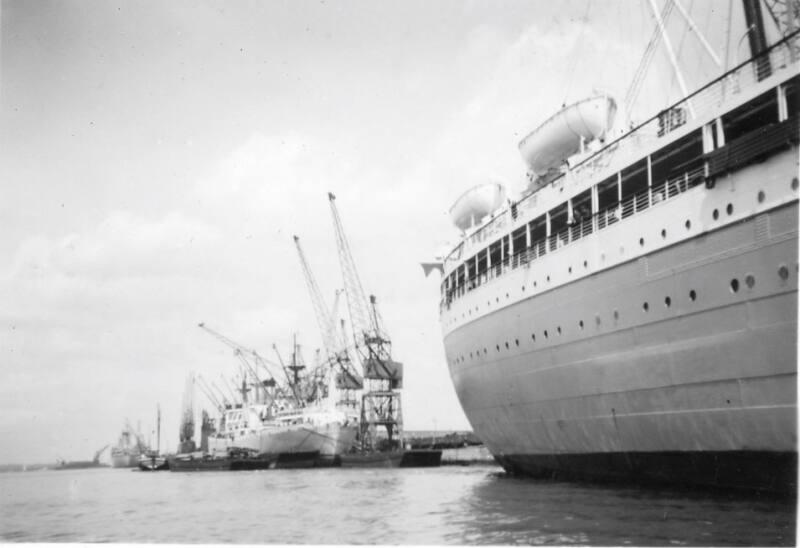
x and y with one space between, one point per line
573 58
647 57
678 52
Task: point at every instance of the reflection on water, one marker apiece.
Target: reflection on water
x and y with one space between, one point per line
509 510
449 505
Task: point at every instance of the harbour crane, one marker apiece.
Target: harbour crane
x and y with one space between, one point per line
380 400
242 354
205 389
335 347
371 341
97 454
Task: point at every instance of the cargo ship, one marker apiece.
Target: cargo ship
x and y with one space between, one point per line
265 418
128 450
632 315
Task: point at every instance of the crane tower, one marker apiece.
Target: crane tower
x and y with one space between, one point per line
347 379
380 401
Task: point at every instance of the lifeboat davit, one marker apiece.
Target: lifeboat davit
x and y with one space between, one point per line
560 136
477 203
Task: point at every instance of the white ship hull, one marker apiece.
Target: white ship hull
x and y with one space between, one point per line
124 459
657 343
692 384
329 440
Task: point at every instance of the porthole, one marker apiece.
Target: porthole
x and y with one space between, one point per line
470 355
621 250
616 314
597 320
750 281
688 224
734 285
488 303
602 257
580 324
783 272
585 264
506 345
498 347
533 337
641 242
485 351
506 295
794 183
645 307
497 299
523 288
559 329
715 214
729 209
693 295
569 270
516 341
534 283
761 196
667 302
664 233
548 277
545 333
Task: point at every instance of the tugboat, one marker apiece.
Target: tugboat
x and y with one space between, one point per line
153 461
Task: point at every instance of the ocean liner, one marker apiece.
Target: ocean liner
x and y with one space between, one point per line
633 314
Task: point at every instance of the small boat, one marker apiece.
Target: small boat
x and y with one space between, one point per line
421 458
408 458
153 461
476 203
377 459
242 460
566 132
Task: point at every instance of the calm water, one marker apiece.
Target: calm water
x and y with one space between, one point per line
448 505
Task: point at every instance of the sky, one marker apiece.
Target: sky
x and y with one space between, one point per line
156 159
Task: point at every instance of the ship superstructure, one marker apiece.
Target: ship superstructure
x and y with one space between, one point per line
634 314
129 447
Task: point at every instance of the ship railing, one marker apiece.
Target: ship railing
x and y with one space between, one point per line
633 204
625 149
747 75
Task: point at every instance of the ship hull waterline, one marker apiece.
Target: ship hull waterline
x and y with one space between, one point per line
698 390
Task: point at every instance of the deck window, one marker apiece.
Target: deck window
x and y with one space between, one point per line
753 115
520 240
677 166
496 253
482 267
634 188
581 214
558 223
472 269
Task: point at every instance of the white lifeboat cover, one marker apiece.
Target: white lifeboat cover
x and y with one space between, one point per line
476 203
559 137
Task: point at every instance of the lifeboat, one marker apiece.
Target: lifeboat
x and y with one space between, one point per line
476 203
560 136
